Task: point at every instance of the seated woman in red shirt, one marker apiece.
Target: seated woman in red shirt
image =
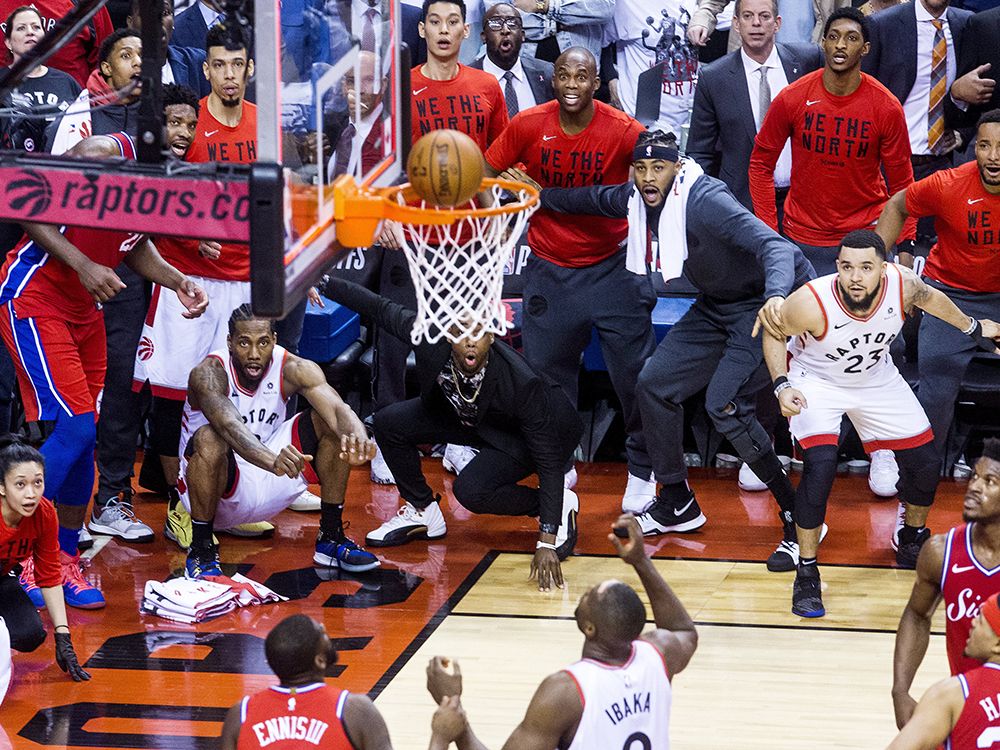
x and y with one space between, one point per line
28 535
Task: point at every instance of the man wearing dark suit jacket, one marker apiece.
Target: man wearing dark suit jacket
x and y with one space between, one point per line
727 100
525 81
902 57
184 65
191 26
482 393
978 66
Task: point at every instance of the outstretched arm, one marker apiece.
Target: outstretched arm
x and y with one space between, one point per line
100 281
914 631
146 261
395 319
934 718
675 635
916 293
305 377
594 200
890 223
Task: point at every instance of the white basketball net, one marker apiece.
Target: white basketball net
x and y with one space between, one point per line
457 271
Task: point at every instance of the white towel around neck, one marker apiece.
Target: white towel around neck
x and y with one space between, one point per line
672 229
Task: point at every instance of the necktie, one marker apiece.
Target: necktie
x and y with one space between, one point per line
368 31
763 95
220 18
939 85
510 95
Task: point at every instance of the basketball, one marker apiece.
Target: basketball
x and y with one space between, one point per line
445 167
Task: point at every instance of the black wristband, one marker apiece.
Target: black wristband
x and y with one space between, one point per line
907 246
976 334
548 528
781 379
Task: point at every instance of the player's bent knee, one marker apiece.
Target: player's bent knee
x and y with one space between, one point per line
387 423
469 493
78 429
208 445
29 640
652 385
919 474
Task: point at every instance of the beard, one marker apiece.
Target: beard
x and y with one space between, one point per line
862 305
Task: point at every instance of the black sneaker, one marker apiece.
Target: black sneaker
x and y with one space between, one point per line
907 552
807 592
786 557
664 517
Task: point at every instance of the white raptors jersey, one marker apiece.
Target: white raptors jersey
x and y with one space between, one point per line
262 410
851 350
624 707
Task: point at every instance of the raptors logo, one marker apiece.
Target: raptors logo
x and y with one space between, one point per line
32 193
145 350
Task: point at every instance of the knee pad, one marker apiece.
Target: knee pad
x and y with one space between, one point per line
919 474
819 471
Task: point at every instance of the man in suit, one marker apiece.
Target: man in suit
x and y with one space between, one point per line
183 65
975 89
728 100
907 42
525 81
476 392
191 26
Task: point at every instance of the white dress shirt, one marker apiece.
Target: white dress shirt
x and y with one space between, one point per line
209 14
918 103
525 96
777 80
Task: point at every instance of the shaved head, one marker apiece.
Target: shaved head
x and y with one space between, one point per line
576 56
614 611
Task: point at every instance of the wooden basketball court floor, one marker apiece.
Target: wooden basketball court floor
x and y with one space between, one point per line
761 678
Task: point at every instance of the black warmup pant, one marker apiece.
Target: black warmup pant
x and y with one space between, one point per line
943 355
488 484
120 418
22 619
389 362
562 305
709 346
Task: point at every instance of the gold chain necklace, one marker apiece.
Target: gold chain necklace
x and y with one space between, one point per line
458 384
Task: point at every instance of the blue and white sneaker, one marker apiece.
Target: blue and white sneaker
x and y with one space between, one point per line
344 553
203 565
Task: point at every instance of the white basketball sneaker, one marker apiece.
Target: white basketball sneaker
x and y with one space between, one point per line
409 524
639 494
457 457
748 481
883 473
380 473
569 479
307 502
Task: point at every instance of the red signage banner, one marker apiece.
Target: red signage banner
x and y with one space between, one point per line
182 205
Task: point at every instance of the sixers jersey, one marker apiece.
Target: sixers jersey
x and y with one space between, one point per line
42 286
284 718
623 706
263 410
851 350
965 585
978 725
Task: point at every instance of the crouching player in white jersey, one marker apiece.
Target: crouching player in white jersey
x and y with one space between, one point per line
618 695
838 363
244 459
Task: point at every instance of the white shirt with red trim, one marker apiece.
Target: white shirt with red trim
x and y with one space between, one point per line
263 410
625 706
852 350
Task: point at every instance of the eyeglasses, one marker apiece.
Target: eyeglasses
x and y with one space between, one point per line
495 23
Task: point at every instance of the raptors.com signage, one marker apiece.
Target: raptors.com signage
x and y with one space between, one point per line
111 199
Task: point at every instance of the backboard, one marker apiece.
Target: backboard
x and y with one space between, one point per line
329 81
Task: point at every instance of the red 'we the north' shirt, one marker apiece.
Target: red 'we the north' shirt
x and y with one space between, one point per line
840 144
470 102
215 141
600 154
36 536
967 220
